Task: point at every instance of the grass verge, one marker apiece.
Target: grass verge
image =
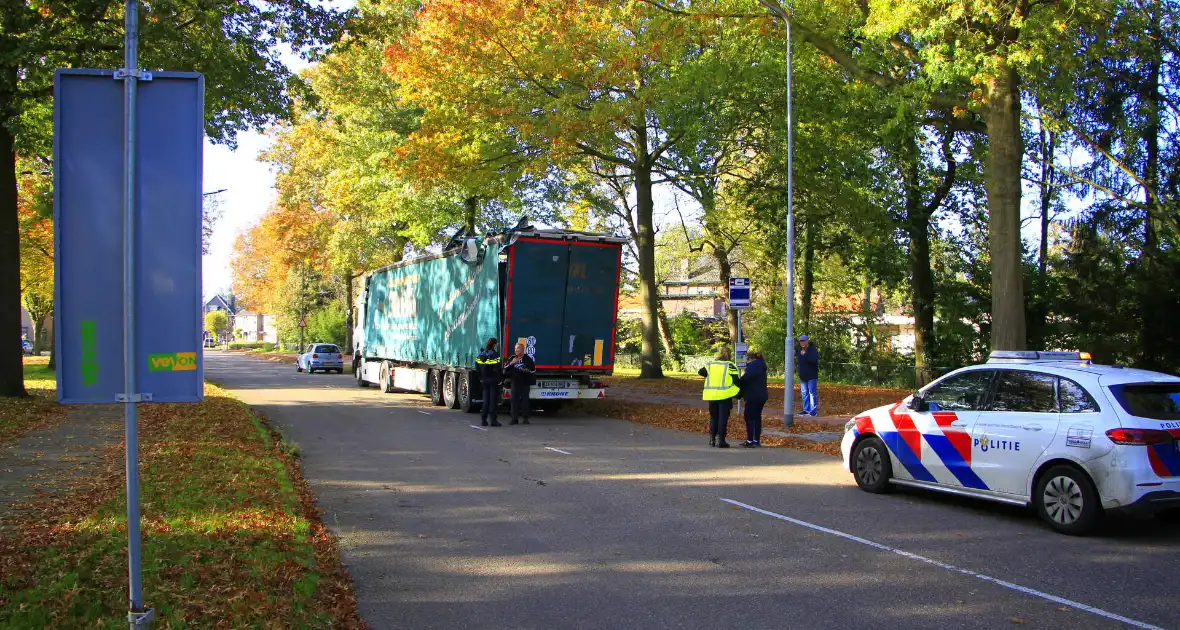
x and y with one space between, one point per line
231 534
18 416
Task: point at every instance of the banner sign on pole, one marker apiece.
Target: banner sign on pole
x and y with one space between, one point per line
739 293
88 236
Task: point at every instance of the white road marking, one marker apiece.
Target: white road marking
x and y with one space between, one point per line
475 427
424 412
557 450
950 567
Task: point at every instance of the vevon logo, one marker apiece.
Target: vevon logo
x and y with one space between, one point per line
175 362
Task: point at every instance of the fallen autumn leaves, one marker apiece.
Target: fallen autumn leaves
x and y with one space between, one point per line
231 534
21 415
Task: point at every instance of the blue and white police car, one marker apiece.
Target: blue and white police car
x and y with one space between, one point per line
1047 429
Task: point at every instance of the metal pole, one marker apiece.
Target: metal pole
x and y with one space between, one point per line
741 403
789 371
137 614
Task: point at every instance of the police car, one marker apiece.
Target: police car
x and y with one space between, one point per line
1050 429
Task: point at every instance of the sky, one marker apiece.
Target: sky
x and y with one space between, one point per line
248 183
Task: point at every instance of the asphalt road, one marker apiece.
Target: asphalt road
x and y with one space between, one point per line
443 525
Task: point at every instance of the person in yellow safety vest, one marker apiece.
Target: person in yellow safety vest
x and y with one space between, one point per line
721 387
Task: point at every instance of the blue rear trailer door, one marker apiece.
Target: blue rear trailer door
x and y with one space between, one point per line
591 304
535 310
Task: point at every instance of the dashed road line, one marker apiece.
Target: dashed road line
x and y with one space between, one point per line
423 412
949 567
557 450
475 427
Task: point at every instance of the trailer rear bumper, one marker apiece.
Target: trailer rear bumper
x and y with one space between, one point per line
572 393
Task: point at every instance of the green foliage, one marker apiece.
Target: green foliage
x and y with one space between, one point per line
686 334
217 322
264 346
326 325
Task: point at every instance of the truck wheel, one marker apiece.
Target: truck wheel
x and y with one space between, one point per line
386 377
466 402
359 372
436 387
451 390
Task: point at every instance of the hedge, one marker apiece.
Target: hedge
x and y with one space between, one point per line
264 346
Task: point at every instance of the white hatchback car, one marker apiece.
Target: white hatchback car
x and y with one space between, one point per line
1050 429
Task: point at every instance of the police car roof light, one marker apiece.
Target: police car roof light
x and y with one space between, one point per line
1034 355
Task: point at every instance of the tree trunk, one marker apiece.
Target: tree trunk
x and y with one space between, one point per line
808 292
1003 182
472 214
666 338
724 273
52 342
649 356
917 226
348 319
12 374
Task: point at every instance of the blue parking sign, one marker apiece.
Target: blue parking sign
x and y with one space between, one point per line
88 236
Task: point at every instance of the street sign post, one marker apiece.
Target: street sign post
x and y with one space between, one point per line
303 323
127 151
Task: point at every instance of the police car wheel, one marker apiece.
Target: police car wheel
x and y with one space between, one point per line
1065 499
871 466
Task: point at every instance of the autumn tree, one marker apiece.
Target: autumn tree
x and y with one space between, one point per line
566 83
35 219
229 41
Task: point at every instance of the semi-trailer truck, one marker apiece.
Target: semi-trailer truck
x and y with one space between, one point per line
421 323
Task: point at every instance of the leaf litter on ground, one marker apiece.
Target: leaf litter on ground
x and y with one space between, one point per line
231 534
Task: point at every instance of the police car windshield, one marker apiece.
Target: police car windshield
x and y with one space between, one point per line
1158 401
327 349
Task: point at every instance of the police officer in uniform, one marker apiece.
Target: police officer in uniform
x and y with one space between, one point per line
490 374
721 387
519 372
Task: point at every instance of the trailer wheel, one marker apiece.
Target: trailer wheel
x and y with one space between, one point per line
451 390
436 387
466 401
386 377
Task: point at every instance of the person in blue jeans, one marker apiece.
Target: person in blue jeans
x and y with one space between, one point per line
807 362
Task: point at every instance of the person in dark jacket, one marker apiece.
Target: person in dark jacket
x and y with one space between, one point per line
519 373
807 361
753 384
491 375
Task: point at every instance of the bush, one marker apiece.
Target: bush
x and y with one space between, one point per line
264 346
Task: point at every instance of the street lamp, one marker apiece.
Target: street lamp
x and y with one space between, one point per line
789 367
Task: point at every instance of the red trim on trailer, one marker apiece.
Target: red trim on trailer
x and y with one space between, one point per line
574 367
555 241
508 303
615 327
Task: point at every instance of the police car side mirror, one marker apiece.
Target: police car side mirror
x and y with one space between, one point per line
917 403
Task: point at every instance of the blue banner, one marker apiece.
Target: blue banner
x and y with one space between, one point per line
88 236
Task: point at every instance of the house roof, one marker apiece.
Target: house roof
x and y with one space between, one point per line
219 302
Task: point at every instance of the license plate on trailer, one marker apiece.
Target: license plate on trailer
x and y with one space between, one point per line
557 384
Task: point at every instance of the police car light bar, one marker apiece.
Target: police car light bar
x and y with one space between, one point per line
1034 355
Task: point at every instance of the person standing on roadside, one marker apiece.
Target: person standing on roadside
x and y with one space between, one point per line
491 375
754 392
721 387
807 360
519 372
